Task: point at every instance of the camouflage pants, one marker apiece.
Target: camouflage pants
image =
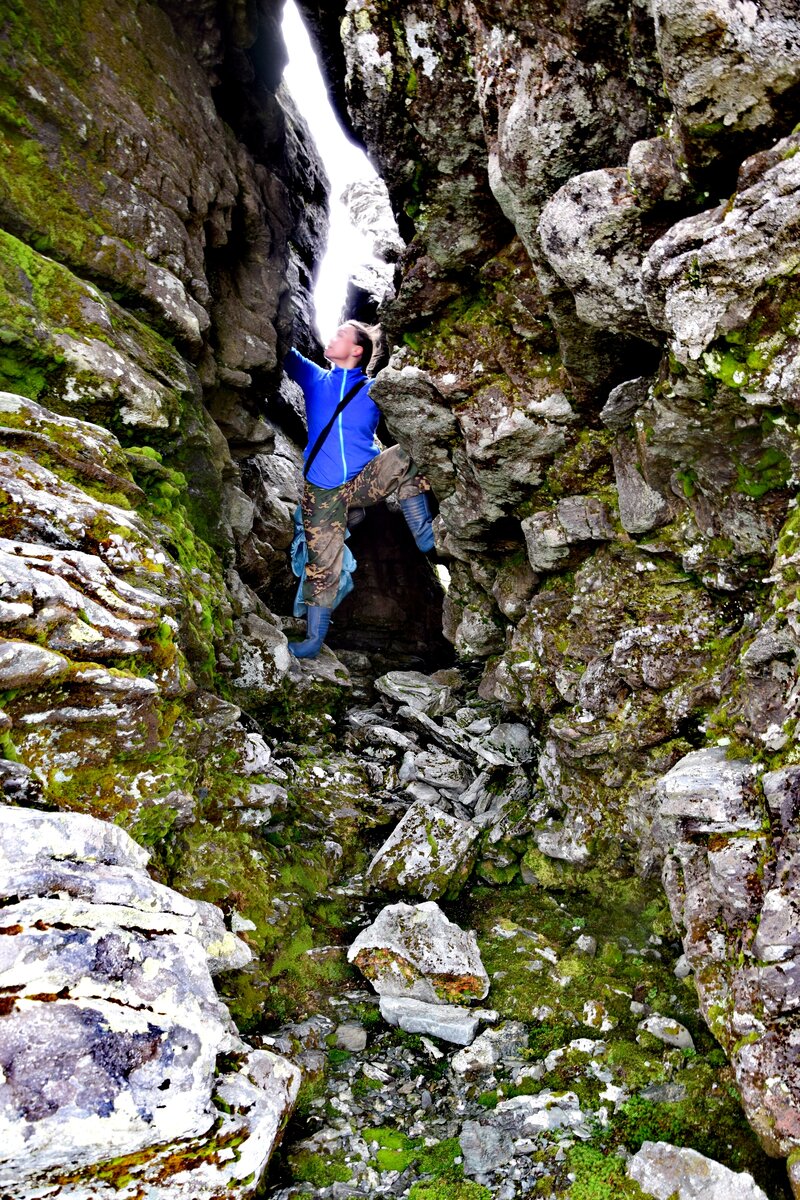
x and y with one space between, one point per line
325 516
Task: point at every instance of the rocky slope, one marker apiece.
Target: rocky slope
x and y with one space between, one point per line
595 332
597 307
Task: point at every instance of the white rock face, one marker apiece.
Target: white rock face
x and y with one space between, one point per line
71 869
709 791
74 600
414 950
592 236
449 1022
666 1172
429 854
110 1037
705 276
670 1032
726 62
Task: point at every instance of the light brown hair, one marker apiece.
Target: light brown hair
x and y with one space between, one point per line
369 338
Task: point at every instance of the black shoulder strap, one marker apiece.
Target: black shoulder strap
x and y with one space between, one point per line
318 444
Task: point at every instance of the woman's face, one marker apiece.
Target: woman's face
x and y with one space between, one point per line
342 345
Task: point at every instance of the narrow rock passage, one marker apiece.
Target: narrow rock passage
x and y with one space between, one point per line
589 1041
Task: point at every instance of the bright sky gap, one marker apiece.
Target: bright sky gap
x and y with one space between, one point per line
343 162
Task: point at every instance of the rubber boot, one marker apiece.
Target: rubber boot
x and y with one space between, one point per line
317 622
417 512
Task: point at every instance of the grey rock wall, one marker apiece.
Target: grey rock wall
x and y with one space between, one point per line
598 374
160 210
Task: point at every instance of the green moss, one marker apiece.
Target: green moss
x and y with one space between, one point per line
394 1160
397 1152
364 1086
552 874
32 183
207 628
309 1167
772 470
688 481
284 891
708 130
445 1189
599 1176
441 1158
8 750
153 824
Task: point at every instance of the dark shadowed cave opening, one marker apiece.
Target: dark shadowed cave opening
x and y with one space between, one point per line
394 612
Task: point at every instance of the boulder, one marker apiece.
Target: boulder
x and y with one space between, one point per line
450 1022
705 277
678 1173
726 67
575 519
592 236
623 401
525 1116
74 870
484 1147
112 1034
414 950
417 691
501 1045
429 854
670 1032
449 775
710 793
641 507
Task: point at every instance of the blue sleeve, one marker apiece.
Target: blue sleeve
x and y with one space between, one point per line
302 370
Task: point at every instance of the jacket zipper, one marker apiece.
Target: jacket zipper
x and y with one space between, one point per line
341 431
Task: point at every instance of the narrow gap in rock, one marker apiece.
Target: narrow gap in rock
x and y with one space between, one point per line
394 614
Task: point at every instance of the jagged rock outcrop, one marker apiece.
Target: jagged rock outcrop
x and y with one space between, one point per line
602 391
117 1054
160 204
595 362
371 283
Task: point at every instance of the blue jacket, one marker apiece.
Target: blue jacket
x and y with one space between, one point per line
351 442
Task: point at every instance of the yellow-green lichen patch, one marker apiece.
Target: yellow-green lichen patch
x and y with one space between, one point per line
118 763
537 975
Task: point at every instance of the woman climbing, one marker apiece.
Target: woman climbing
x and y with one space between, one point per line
345 468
